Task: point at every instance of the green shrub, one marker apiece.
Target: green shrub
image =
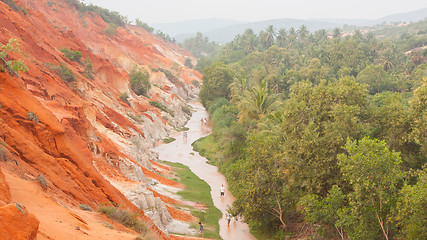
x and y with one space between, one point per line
107 15
158 105
139 81
168 140
33 117
124 97
88 72
123 216
188 63
196 83
65 73
111 30
3 154
42 181
13 67
85 207
12 4
143 25
74 56
135 118
107 225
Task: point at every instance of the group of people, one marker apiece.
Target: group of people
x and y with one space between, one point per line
203 121
228 216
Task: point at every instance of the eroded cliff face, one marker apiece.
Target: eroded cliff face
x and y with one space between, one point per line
80 140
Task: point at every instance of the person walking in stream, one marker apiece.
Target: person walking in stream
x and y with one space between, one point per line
222 190
228 219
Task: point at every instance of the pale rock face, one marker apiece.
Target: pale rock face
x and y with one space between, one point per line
132 171
181 227
152 206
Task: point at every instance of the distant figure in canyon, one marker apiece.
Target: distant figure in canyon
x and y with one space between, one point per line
201 229
228 218
222 190
184 135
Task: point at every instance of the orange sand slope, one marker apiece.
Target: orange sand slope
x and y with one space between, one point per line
81 136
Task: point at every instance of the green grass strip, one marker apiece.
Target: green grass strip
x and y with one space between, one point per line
208 148
197 190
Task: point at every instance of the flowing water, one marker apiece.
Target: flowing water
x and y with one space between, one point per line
181 151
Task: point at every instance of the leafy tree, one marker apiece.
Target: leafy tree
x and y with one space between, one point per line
139 81
411 214
374 173
325 211
418 116
143 25
216 80
262 193
377 79
317 120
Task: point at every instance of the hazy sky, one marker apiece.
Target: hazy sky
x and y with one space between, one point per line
155 11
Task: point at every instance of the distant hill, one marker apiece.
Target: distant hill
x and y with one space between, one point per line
224 30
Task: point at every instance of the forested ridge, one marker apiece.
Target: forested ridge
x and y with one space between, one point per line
321 135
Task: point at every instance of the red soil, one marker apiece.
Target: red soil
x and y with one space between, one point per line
69 136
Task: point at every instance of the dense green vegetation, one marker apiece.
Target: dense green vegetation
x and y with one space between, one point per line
320 134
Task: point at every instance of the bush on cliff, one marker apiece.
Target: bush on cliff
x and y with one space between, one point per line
74 56
14 67
124 217
139 82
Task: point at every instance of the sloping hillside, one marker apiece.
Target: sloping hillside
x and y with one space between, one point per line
86 140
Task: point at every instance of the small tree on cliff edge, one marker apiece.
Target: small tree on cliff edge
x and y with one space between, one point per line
139 81
12 66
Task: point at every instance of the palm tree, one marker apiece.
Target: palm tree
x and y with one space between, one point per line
238 86
292 37
271 35
281 37
256 102
337 33
303 33
321 36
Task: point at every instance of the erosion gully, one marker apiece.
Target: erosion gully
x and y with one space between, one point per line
181 151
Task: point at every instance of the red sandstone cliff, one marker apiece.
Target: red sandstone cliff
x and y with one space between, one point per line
89 146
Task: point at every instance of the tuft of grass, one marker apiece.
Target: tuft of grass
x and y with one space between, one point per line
123 216
135 118
3 154
42 181
107 225
182 129
85 207
199 191
168 140
33 117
